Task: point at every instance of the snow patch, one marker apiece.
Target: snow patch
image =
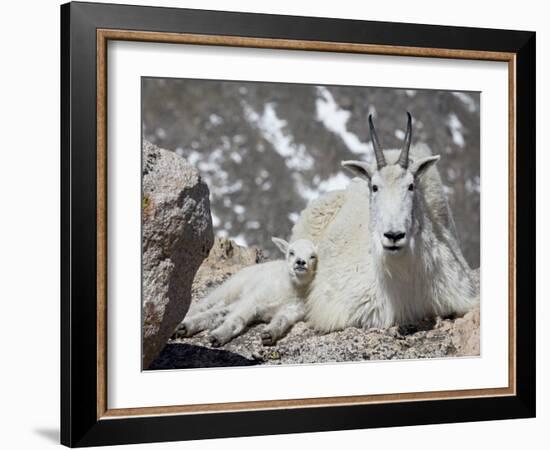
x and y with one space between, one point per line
293 217
452 174
473 186
227 188
194 157
161 133
333 183
449 191
240 240
212 164
215 119
222 233
253 225
272 130
399 134
467 99
236 157
215 220
456 128
239 209
335 119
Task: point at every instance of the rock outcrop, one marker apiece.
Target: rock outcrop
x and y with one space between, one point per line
176 237
225 258
434 338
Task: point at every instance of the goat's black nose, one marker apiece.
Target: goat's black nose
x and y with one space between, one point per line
300 262
394 235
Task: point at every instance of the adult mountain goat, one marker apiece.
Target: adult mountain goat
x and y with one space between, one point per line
388 252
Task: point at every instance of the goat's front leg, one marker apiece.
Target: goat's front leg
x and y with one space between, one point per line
282 322
233 325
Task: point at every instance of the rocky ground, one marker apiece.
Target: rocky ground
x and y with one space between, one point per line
436 338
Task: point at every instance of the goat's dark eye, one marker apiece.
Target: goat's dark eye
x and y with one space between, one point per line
374 188
411 187
291 253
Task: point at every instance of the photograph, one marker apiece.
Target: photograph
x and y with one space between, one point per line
293 224
287 223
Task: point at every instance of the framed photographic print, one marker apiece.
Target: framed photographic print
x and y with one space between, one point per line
276 224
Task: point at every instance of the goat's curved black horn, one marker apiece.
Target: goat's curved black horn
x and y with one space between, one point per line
380 160
404 155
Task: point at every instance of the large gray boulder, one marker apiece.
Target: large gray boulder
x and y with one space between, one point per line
176 237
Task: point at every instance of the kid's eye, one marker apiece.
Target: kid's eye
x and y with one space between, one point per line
291 253
312 257
374 188
411 187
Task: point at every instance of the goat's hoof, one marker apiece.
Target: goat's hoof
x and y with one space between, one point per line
267 339
215 341
180 332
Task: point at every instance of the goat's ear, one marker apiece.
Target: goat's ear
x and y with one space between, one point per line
419 167
359 168
281 244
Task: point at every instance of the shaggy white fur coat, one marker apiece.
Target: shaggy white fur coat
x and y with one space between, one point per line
356 285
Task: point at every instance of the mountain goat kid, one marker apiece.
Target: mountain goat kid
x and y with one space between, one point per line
388 252
273 292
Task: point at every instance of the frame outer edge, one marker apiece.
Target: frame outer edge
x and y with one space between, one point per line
79 427
79 262
65 369
526 226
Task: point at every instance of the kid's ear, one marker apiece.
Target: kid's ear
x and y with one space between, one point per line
281 244
359 168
